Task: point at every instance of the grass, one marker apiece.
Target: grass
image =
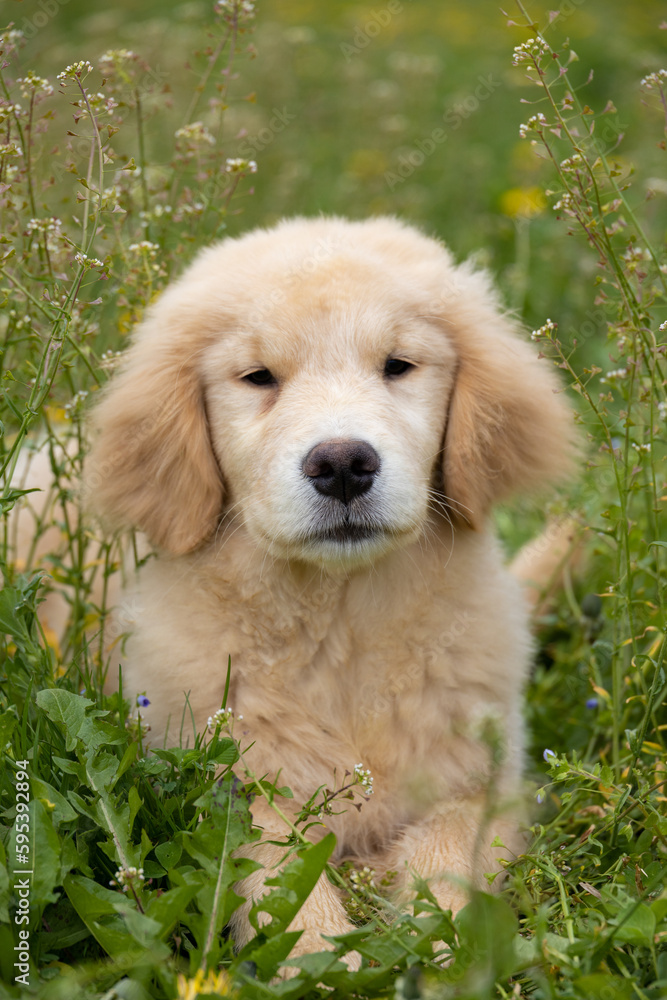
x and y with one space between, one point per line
106 188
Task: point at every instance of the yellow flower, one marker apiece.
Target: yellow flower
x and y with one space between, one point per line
52 640
522 203
216 983
366 163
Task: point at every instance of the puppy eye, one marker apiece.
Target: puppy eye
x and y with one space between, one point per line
261 377
396 366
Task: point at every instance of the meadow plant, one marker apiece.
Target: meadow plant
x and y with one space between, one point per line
117 868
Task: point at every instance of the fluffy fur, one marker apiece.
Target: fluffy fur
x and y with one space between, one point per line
386 631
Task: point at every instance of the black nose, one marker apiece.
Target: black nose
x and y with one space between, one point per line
342 469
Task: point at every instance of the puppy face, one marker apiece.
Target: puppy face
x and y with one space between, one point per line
327 417
329 385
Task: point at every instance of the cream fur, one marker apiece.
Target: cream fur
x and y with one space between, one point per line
392 651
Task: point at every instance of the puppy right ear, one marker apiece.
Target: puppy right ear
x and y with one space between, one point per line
151 465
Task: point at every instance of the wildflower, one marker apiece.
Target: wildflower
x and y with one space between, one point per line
548 753
522 202
75 403
540 797
565 203
241 9
10 39
212 984
614 375
572 163
195 133
534 124
109 359
110 60
642 448
10 149
10 109
76 70
657 79
662 409
364 778
635 254
222 718
545 331
47 225
125 878
364 879
592 703
33 84
98 103
137 728
89 263
142 701
531 51
145 246
238 166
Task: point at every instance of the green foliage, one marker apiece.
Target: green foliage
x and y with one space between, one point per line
105 189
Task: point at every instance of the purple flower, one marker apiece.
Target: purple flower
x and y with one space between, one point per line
592 703
547 754
142 700
540 796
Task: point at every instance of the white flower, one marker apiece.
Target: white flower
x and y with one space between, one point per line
236 165
222 718
75 403
33 84
614 375
10 109
110 59
364 778
528 51
572 163
88 262
657 79
544 331
195 132
124 877
10 149
145 246
76 70
9 39
47 225
364 878
534 124
243 9
565 203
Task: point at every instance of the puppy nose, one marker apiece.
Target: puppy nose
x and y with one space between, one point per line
342 469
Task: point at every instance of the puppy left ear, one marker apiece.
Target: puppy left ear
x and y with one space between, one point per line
509 429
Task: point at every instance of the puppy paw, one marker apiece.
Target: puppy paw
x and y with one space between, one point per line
310 942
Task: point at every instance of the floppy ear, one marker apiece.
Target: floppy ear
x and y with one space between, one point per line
509 429
151 465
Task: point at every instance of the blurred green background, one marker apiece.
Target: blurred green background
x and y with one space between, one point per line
343 99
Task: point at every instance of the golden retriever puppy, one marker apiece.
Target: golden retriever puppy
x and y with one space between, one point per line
311 428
